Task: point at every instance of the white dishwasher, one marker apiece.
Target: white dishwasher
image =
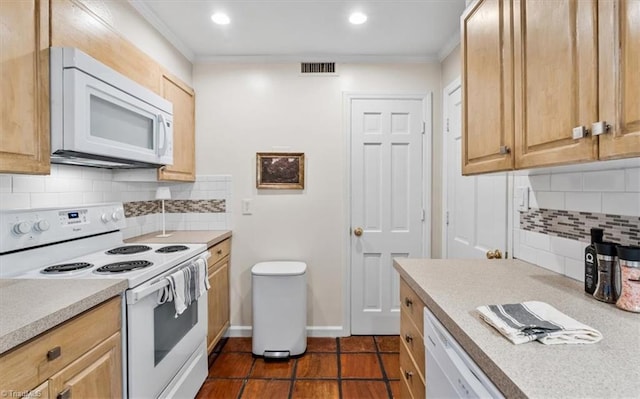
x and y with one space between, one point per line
450 372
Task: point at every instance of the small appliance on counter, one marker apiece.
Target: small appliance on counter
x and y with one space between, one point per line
629 260
591 263
608 287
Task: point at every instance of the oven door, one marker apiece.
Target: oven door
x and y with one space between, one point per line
159 344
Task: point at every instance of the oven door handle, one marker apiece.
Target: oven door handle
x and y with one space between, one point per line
136 294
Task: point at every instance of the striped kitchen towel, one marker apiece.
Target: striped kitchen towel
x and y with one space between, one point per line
533 320
187 284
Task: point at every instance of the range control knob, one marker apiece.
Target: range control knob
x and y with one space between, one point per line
41 225
22 228
116 216
104 218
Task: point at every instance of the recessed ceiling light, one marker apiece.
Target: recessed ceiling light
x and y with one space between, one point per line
220 18
357 18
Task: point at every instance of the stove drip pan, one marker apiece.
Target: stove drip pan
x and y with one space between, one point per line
122 267
66 267
172 248
128 250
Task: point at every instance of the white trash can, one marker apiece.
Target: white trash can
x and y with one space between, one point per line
279 298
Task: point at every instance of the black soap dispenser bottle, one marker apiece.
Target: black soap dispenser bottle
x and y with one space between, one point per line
591 262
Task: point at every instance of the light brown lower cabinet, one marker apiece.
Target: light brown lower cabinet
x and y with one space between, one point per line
81 358
218 295
412 364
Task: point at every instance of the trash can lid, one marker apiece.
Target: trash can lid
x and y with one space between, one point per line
279 268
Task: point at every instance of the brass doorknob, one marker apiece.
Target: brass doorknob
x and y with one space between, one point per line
495 254
358 231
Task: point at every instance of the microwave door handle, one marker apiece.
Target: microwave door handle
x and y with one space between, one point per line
162 150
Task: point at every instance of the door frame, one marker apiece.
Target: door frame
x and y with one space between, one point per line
451 87
427 111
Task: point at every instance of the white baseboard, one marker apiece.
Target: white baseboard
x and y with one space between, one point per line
312 331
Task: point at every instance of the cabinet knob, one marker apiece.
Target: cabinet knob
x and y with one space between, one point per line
54 353
504 149
407 301
408 374
65 394
219 251
408 338
600 127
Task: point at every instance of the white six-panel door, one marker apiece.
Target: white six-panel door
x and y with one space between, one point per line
386 203
476 206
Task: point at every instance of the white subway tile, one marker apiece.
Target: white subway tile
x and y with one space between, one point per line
102 185
566 247
56 185
68 199
627 204
574 268
566 182
537 240
632 179
527 253
92 174
5 184
607 180
583 202
92 198
28 184
549 200
69 172
45 200
15 200
550 261
112 196
540 182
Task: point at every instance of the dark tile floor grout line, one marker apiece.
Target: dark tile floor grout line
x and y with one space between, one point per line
339 379
293 378
383 368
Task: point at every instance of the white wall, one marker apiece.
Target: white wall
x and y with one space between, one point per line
608 190
242 109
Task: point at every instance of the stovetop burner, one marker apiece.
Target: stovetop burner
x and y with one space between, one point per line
126 266
172 248
66 267
128 250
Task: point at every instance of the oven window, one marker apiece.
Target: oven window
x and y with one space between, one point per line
113 122
169 330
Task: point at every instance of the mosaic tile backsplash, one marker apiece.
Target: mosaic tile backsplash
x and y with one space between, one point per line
143 208
577 225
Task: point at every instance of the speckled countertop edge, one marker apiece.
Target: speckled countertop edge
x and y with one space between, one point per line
208 237
18 331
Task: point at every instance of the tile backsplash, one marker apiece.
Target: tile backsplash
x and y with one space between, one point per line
194 206
565 205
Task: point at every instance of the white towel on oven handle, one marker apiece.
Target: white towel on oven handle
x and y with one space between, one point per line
185 285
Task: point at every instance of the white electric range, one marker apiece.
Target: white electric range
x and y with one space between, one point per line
163 355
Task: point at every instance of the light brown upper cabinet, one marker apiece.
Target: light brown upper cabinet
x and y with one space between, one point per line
571 63
619 77
184 130
24 107
487 87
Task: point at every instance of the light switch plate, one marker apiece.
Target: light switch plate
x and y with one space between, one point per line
523 199
246 206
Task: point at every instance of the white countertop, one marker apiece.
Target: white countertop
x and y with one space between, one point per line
453 289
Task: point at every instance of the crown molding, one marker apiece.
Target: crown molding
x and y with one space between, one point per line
295 58
164 30
449 46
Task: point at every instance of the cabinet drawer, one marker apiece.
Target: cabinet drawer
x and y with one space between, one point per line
413 339
35 361
412 305
409 373
219 251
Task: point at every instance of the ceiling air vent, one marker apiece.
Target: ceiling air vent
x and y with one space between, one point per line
318 68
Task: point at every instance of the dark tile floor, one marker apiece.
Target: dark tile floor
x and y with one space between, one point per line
341 368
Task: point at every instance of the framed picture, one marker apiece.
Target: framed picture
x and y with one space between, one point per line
280 170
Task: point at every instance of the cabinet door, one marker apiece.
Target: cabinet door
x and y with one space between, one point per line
619 54
218 303
24 108
555 80
184 162
487 87
96 374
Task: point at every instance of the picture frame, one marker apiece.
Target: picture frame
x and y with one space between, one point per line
280 170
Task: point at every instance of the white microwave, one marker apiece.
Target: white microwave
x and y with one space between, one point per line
104 119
